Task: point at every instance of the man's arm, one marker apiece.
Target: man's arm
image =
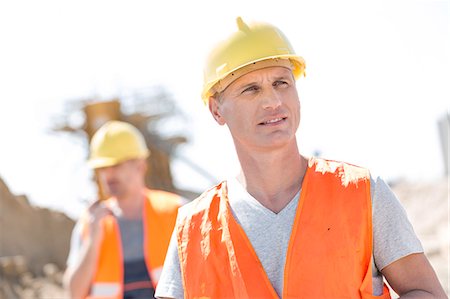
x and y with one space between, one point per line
413 277
170 284
78 276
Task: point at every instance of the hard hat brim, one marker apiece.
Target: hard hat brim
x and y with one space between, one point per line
102 162
298 69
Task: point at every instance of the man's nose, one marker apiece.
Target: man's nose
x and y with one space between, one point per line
270 99
107 172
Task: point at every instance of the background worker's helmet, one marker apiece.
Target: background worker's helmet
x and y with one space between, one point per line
116 142
251 44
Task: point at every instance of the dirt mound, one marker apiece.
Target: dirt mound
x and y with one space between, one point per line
427 206
34 244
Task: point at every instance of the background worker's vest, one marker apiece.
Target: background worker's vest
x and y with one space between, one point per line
159 217
329 253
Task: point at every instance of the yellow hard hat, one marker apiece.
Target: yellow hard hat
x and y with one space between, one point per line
116 142
251 44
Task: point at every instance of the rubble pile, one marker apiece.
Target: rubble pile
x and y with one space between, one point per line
34 244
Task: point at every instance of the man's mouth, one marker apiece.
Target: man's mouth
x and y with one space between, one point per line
273 121
112 184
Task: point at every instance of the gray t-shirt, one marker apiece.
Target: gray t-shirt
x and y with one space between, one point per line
135 269
131 234
393 236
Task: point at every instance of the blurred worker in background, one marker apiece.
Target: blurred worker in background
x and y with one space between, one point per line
118 246
287 226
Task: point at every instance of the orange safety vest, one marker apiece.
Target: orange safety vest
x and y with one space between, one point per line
329 253
159 217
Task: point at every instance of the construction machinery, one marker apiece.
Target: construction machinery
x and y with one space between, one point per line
145 110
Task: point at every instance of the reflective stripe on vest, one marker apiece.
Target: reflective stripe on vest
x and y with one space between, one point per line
159 216
156 273
329 252
105 289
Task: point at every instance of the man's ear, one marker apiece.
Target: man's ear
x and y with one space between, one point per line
140 165
214 108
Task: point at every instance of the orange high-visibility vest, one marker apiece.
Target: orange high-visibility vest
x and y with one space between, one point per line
159 217
329 252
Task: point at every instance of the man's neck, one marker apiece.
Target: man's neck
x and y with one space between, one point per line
273 178
131 205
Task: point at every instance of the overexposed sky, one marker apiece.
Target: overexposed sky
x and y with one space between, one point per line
378 76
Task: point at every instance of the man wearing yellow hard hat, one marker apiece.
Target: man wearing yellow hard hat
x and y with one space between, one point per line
286 226
118 246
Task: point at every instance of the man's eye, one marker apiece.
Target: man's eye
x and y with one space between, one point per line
250 89
280 83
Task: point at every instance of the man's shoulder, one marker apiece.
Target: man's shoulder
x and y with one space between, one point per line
163 200
160 193
330 164
347 173
204 201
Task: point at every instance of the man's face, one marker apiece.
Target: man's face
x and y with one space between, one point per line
119 180
261 109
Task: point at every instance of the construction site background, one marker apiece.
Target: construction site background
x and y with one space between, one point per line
34 241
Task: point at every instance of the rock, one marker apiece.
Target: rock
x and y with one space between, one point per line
26 279
13 266
40 235
51 272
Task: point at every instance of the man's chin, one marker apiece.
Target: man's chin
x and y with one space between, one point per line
114 192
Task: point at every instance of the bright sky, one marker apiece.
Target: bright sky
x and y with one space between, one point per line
378 76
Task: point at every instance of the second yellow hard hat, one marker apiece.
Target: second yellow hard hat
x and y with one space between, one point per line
116 142
251 44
